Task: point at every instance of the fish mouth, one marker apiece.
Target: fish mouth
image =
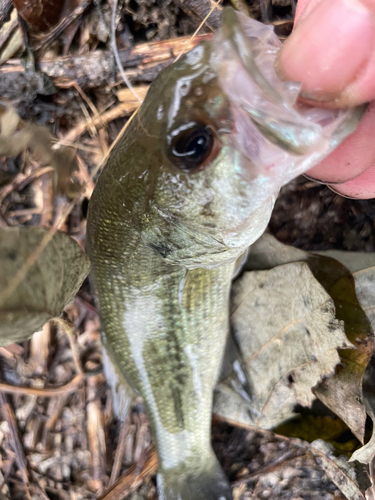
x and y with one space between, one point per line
245 52
274 115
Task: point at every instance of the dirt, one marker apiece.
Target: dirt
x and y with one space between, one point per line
312 217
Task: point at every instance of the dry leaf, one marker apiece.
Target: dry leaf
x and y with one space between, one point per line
284 324
39 15
50 284
342 393
353 261
365 290
345 476
17 135
367 452
364 282
11 38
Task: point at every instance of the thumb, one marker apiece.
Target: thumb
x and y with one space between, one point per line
332 51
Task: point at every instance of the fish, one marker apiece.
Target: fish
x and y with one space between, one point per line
186 190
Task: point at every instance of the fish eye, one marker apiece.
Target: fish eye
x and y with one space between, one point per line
193 146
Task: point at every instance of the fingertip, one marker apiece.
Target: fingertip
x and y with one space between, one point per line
361 187
353 156
330 46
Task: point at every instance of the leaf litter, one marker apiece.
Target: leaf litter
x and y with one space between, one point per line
341 391
55 459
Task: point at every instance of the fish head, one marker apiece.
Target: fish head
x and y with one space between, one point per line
217 136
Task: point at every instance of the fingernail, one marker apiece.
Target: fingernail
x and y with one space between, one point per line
328 48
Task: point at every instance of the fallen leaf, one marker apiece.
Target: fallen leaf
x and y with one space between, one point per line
330 428
352 482
50 284
11 38
342 392
284 324
367 452
39 15
364 282
17 135
353 261
365 290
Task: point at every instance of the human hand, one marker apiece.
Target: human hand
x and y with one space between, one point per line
332 53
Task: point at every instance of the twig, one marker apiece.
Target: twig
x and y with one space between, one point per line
289 456
46 392
14 440
144 62
21 180
198 9
321 458
47 39
119 452
125 108
116 54
68 328
95 435
39 348
132 479
194 35
266 10
7 471
141 437
119 135
88 183
58 406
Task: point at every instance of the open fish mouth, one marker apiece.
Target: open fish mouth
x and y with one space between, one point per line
272 126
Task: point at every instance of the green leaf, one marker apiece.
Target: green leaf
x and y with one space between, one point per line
49 285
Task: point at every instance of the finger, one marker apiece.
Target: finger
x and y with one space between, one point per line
304 7
361 187
353 156
331 51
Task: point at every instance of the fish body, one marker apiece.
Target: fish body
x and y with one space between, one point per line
189 186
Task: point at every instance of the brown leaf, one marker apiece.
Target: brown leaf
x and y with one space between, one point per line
39 14
349 481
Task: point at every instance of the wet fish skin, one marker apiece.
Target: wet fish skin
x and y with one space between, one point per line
165 317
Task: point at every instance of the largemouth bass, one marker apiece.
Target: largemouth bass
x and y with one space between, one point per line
186 190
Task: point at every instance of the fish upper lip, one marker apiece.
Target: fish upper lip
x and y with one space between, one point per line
233 32
273 116
274 112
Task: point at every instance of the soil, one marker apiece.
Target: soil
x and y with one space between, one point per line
312 217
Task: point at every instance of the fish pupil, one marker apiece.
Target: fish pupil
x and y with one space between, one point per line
193 146
197 147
